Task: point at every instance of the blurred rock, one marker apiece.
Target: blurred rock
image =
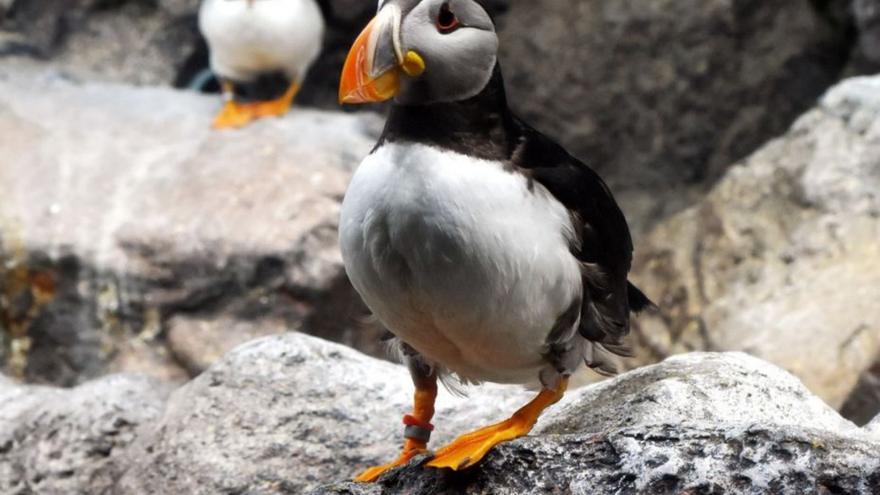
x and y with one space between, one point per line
701 423
180 8
780 259
135 212
662 96
285 413
71 441
863 403
138 41
198 343
867 14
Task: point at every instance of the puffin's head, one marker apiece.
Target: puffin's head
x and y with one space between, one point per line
421 51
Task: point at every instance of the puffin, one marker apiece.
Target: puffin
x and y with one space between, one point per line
487 250
260 50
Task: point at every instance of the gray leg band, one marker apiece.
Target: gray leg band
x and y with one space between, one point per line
417 433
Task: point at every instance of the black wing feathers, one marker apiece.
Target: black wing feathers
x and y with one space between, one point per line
604 245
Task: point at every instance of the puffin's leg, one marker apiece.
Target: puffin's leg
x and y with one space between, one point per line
277 108
468 449
234 114
418 424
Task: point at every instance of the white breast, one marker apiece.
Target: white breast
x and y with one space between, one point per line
247 39
462 259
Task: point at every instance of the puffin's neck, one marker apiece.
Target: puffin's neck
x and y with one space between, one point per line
481 126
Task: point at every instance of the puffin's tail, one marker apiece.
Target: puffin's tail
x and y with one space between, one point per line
638 301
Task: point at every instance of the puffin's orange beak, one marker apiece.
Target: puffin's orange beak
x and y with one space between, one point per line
373 68
359 82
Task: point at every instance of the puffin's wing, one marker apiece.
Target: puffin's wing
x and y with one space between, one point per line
603 242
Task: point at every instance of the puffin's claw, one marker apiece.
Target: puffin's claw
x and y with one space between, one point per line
373 473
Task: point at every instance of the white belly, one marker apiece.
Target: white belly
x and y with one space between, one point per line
247 39
459 258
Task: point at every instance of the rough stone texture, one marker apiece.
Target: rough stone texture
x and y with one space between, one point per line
701 423
780 259
126 210
284 413
70 441
287 414
662 96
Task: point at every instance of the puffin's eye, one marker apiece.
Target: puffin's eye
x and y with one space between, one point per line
446 20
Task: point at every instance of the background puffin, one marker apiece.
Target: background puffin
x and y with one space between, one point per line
489 251
261 51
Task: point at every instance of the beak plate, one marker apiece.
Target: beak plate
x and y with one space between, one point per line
372 69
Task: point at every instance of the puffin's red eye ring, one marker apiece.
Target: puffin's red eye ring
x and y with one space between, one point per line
447 22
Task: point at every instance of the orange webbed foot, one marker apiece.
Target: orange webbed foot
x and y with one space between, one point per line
235 115
469 449
279 107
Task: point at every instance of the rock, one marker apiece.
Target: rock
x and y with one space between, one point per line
863 403
290 413
284 413
198 343
125 210
873 426
71 441
125 40
700 423
661 97
867 14
779 260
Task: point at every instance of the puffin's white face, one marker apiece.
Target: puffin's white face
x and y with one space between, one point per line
421 51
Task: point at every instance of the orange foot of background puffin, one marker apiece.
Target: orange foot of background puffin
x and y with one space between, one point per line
236 114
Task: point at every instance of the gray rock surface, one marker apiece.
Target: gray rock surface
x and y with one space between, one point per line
873 426
780 259
57 441
662 96
284 413
126 210
289 414
700 423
